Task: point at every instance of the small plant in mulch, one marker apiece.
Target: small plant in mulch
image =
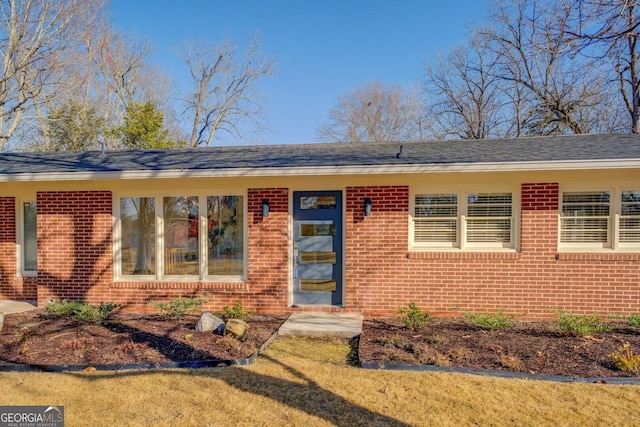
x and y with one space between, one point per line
413 317
236 311
625 359
634 320
179 307
82 311
490 321
580 324
63 308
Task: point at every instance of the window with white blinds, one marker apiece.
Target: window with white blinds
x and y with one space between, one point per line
629 225
600 219
474 220
585 217
489 217
436 219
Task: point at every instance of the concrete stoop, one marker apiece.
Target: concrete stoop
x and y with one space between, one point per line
340 325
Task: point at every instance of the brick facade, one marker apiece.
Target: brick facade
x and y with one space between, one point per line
382 274
75 261
75 255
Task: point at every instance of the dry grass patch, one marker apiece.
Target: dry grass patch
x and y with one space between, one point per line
301 381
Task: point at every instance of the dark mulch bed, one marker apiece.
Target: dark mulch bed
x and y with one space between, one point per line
529 347
36 337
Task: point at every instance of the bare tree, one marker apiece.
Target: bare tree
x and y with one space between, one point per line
608 31
33 33
466 96
534 53
224 96
374 113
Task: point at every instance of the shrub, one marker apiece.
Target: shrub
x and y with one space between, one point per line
236 311
81 310
179 307
625 359
413 317
634 320
581 324
64 308
93 314
490 321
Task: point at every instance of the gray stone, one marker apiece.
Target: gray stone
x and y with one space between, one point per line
1 321
208 322
236 328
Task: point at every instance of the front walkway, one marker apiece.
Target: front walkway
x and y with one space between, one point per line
8 307
322 325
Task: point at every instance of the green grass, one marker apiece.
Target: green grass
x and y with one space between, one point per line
302 381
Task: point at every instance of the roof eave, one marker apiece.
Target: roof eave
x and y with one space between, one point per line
328 170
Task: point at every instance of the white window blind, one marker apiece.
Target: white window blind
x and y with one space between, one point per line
585 217
489 217
436 218
629 228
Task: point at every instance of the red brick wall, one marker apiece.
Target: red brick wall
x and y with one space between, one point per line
8 286
75 255
383 275
376 248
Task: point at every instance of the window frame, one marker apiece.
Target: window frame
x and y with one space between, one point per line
160 275
613 242
462 243
20 238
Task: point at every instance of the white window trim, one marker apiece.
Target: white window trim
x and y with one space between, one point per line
613 230
159 276
461 244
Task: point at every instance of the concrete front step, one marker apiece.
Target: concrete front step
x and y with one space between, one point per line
342 325
8 307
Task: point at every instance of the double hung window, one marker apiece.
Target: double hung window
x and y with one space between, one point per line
199 236
607 218
473 220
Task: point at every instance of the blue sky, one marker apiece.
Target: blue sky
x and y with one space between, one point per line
323 48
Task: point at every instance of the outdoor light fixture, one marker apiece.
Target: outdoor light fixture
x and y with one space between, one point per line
367 206
265 207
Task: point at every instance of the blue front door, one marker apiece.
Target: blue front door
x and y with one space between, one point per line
317 248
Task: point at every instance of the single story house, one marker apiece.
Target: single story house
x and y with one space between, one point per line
526 225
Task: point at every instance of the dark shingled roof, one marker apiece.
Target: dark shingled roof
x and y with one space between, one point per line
592 147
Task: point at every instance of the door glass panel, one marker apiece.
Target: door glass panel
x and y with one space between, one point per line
317 285
311 230
317 258
318 202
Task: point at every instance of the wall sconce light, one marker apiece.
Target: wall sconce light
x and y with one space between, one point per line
265 208
367 206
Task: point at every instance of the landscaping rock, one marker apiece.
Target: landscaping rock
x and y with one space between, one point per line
236 328
208 322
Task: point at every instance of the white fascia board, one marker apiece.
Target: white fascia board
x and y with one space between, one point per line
329 170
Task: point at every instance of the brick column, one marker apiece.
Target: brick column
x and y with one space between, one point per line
75 259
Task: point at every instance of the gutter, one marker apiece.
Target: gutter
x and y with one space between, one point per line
556 165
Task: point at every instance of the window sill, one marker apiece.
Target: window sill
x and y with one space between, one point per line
471 255
195 284
598 256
